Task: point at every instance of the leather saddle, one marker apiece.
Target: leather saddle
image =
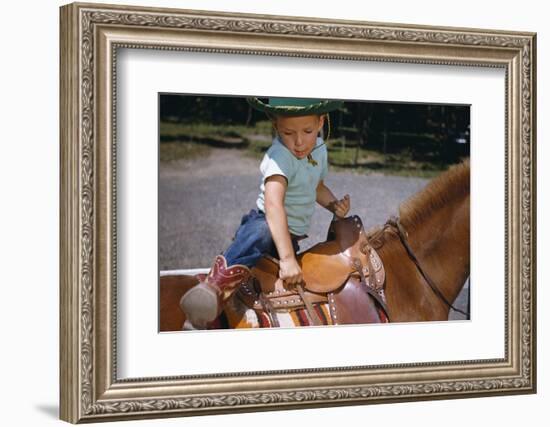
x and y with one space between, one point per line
344 272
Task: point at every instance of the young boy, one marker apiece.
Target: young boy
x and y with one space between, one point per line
293 170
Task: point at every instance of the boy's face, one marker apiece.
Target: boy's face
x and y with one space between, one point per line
299 134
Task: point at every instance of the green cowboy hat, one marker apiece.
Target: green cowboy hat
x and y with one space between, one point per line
294 106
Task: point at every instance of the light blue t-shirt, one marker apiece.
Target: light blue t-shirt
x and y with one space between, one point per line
302 177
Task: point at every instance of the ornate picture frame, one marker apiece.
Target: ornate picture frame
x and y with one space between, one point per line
90 36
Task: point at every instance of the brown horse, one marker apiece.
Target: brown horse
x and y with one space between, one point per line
436 225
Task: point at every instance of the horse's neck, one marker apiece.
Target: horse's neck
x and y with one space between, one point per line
437 223
442 245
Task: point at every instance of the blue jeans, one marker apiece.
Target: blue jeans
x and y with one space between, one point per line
253 240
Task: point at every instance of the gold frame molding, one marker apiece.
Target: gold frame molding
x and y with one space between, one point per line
90 36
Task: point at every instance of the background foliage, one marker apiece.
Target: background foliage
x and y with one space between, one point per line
395 138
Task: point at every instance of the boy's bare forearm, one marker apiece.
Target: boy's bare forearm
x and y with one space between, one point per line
278 225
325 197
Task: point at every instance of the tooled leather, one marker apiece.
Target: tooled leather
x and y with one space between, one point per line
351 235
377 267
224 280
294 302
280 300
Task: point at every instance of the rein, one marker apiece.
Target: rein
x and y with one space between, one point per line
395 225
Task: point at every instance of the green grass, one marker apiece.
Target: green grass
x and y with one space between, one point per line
364 160
182 150
170 130
186 141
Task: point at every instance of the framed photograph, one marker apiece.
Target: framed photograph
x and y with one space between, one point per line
415 253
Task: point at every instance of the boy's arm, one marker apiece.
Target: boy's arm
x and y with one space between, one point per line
275 189
329 201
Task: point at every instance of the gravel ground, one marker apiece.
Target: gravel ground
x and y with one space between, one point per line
201 202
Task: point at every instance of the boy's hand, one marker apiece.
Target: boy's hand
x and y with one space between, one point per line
290 271
341 207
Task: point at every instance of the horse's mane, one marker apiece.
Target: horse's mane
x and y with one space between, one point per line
452 185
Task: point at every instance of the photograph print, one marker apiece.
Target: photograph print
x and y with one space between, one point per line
291 212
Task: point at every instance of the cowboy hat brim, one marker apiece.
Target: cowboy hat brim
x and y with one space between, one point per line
294 106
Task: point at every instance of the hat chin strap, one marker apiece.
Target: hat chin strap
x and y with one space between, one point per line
328 128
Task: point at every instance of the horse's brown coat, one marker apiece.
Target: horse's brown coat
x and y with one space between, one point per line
171 290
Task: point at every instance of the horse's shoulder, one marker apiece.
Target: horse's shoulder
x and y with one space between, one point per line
376 236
